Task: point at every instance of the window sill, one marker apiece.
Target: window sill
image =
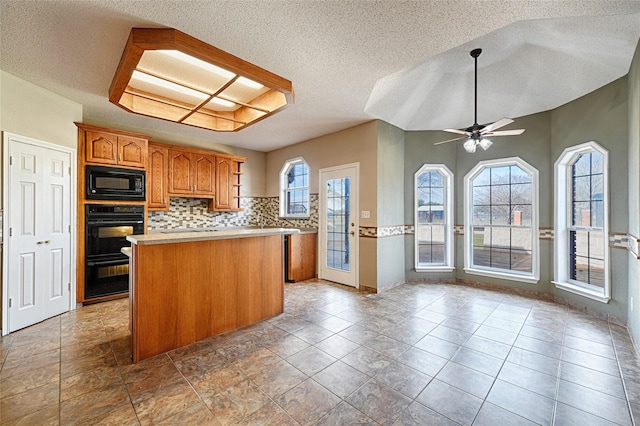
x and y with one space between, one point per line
300 216
435 269
582 291
503 276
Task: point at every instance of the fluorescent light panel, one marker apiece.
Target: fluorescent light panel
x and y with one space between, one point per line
223 102
176 54
147 78
249 83
186 73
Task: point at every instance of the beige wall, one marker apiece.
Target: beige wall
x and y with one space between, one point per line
28 110
356 144
32 111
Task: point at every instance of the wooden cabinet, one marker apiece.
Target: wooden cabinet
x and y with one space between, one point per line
105 147
227 185
204 175
301 257
158 178
194 296
102 147
191 173
174 171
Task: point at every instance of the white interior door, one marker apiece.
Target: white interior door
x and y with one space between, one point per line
38 207
339 224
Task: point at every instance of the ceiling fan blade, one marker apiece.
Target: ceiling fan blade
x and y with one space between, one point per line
460 132
505 133
493 126
450 140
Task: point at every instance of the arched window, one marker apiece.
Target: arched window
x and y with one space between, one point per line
294 188
582 218
501 220
433 218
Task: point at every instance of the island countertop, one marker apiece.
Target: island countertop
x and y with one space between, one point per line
169 236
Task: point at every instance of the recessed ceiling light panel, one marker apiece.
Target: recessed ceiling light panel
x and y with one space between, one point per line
167 74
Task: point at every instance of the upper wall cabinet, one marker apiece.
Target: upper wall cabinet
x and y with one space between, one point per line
191 173
227 185
103 146
194 173
158 177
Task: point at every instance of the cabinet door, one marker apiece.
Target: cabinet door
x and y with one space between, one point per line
100 148
180 172
132 152
301 252
204 174
157 178
223 198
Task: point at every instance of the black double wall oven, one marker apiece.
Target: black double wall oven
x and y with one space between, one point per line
106 230
107 226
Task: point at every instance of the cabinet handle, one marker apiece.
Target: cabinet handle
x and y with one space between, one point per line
43 242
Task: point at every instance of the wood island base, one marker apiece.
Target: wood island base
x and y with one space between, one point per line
184 292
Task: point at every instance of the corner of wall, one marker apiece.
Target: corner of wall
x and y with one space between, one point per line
633 316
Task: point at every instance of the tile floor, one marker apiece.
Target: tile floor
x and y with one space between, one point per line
419 354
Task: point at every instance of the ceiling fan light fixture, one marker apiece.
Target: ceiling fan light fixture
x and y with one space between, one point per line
470 146
476 132
485 143
167 74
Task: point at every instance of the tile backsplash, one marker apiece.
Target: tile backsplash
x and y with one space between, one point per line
193 213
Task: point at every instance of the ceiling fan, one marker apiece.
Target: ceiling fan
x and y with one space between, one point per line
477 133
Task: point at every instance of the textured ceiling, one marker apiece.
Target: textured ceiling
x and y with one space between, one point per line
335 52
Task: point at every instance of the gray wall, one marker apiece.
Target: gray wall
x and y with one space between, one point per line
390 186
419 150
600 116
634 195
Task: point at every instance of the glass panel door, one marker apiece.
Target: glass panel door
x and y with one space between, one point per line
338 217
338 231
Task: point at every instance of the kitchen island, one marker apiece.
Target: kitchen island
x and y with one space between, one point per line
188 285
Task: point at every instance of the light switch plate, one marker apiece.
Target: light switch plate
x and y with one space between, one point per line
365 214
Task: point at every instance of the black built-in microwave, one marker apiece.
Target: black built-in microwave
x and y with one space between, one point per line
115 183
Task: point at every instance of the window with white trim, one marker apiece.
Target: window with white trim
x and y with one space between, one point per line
294 189
501 220
433 218
581 228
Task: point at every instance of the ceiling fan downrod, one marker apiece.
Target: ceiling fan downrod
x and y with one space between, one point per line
474 54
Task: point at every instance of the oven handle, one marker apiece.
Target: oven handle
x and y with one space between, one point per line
107 262
114 222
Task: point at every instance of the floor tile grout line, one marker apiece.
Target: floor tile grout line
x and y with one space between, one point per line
495 379
622 377
558 374
190 385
